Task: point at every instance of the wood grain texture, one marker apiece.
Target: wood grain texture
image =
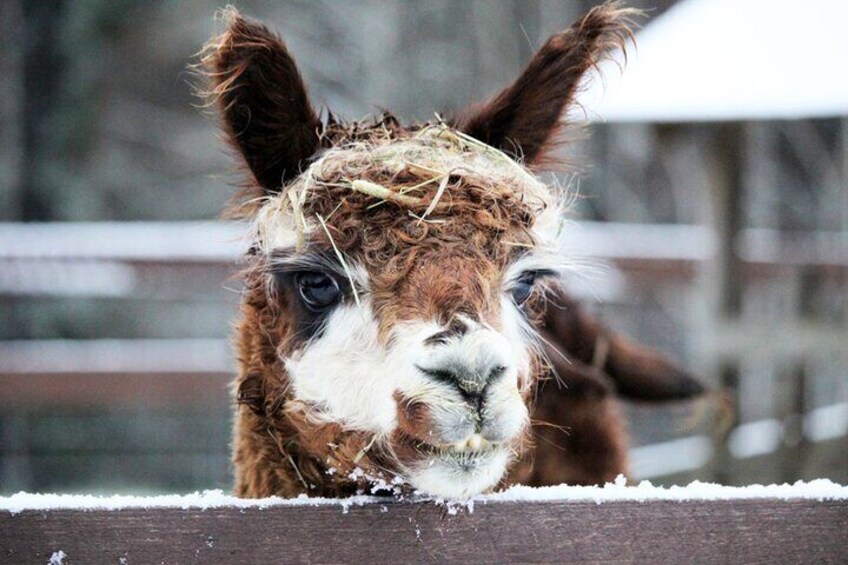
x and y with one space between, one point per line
743 531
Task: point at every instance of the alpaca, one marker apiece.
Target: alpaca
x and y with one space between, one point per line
403 323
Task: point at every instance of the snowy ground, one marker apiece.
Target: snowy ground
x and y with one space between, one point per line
820 489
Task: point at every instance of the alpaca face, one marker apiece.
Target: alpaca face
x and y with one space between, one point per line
444 400
429 349
445 410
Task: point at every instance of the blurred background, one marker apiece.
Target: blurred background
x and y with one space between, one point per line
713 184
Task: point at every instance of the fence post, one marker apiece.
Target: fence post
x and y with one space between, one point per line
722 277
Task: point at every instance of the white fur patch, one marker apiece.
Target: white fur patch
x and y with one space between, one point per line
351 378
343 371
446 479
548 225
275 225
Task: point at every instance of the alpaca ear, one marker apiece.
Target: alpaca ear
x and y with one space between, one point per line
523 118
262 100
636 372
577 378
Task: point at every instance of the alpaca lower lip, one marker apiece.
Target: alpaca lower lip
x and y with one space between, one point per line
465 461
463 455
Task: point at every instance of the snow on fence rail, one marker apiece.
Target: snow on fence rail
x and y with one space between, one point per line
226 241
804 522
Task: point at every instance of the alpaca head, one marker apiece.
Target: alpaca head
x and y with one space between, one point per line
411 318
397 273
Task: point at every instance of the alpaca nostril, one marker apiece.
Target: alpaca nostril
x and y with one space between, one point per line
470 381
440 375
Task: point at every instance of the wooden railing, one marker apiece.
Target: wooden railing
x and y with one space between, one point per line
770 530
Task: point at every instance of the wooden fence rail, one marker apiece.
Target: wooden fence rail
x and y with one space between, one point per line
767 530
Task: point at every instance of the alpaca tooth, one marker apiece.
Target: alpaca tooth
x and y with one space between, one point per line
475 442
460 445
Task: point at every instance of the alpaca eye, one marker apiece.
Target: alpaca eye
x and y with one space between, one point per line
523 288
318 291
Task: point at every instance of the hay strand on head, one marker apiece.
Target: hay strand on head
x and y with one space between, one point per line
341 259
436 197
383 193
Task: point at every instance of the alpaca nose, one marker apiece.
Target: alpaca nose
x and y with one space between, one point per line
469 358
471 379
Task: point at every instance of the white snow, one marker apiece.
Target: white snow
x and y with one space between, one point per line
827 422
92 356
730 60
127 241
198 500
57 558
673 456
755 438
819 489
32 250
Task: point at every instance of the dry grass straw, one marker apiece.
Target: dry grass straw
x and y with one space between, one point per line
383 193
340 257
416 170
430 156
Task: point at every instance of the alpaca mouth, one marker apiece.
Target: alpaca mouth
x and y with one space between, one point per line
465 455
467 460
454 474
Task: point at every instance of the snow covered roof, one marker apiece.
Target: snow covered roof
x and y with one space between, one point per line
715 60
